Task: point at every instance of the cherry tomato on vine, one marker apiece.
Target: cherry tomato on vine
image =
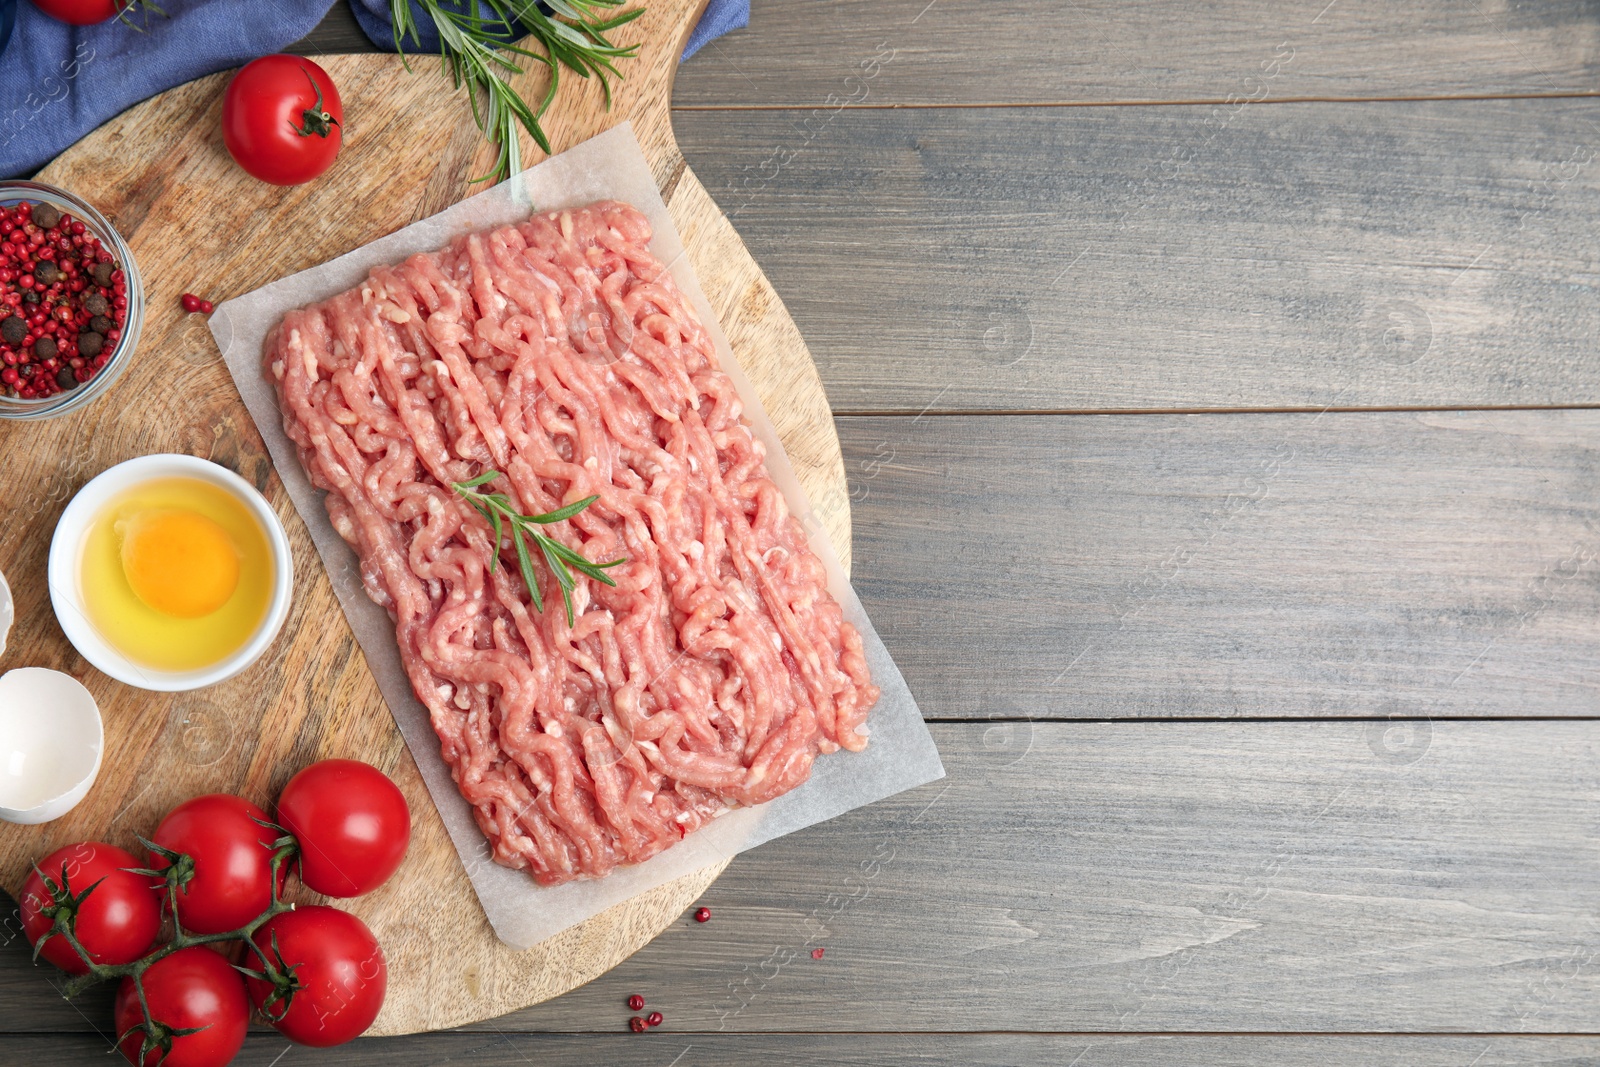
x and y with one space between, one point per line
232 854
282 119
339 973
115 923
194 988
82 12
352 824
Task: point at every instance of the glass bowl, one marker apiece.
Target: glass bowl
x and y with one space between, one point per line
11 407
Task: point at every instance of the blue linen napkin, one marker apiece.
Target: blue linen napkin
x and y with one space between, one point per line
719 17
58 82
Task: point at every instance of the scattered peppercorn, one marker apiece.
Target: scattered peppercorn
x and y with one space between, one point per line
637 1024
190 302
635 1002
816 953
702 915
653 1019
207 307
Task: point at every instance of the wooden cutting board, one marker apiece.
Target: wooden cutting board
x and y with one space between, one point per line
196 223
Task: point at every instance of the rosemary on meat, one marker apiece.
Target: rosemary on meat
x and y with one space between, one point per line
477 53
497 510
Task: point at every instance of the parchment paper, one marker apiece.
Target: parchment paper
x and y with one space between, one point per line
901 753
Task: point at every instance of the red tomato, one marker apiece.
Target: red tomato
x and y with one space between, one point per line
232 855
281 119
81 12
116 923
339 971
352 824
193 987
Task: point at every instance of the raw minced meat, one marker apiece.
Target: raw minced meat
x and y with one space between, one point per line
560 352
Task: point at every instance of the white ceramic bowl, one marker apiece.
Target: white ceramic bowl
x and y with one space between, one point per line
67 547
51 741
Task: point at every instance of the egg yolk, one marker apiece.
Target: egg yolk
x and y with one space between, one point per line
178 562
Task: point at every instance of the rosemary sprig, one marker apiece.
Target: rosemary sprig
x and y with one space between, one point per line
497 510
476 50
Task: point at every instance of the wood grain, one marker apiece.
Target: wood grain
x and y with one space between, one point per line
1105 51
1160 877
1177 258
873 1050
338 32
196 223
1440 564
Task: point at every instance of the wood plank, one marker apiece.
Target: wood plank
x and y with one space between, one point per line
1103 51
337 32
1176 258
1142 877
873 1050
1100 51
1358 564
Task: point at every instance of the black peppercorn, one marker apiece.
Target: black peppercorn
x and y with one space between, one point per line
101 324
31 296
97 305
45 216
44 348
65 378
102 273
47 273
90 344
13 329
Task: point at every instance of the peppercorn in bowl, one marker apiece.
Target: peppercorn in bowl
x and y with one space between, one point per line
71 303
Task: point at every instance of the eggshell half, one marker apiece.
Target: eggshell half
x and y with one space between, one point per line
51 741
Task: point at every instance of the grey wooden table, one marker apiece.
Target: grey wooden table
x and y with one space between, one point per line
1217 384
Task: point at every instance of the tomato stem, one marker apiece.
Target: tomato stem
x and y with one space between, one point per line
314 119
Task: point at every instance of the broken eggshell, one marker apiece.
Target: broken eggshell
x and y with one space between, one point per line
51 741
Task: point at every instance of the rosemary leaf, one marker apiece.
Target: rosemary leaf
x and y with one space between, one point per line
564 513
563 578
553 561
482 479
494 554
526 564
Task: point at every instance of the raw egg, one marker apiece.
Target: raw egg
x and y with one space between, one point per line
176 574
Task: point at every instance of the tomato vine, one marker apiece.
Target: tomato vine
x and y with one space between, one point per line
158 1036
